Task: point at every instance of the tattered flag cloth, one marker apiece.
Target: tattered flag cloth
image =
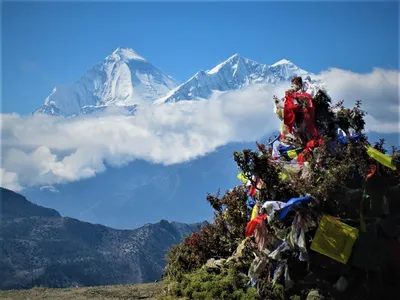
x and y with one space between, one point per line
261 236
381 158
253 191
275 150
314 143
251 203
272 206
293 153
242 178
259 182
297 237
343 139
257 267
290 169
290 151
276 254
254 212
276 138
277 274
283 149
251 226
305 155
289 205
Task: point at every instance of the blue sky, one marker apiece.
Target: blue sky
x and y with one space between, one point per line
45 44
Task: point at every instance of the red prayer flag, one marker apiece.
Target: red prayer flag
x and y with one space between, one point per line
251 226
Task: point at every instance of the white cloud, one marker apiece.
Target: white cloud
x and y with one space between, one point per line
49 188
44 150
378 90
9 180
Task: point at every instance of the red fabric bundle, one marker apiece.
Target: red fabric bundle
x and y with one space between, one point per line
289 111
291 108
302 157
314 143
253 191
251 226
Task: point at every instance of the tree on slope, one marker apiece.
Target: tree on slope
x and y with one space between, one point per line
324 158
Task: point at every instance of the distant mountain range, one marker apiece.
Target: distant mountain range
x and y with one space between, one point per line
38 247
235 73
126 79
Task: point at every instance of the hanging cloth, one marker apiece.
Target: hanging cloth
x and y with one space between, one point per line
254 212
334 239
272 206
251 226
292 107
291 203
242 178
384 159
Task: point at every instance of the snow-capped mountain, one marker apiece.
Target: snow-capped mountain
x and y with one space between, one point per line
124 78
233 74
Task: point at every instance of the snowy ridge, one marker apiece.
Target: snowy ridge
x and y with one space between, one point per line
235 73
281 62
126 79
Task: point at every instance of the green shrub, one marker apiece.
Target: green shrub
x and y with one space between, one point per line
204 284
217 240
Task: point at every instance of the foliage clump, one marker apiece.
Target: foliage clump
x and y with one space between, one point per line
343 179
215 240
204 284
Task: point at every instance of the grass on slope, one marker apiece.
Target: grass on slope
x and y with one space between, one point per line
131 291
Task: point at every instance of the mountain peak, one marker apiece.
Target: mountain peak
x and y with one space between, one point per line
123 78
282 62
123 53
233 59
234 56
14 205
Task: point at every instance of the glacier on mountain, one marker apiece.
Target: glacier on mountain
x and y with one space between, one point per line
127 79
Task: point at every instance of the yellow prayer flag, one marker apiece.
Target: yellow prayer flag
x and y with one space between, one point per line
242 178
254 212
334 239
380 157
292 153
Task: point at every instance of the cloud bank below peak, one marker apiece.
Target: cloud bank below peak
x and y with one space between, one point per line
43 150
